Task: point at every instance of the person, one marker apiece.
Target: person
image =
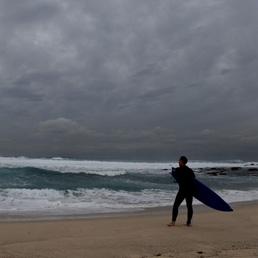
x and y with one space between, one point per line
185 177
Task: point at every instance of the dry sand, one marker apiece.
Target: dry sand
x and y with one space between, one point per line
213 234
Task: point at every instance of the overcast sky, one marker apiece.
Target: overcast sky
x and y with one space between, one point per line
129 79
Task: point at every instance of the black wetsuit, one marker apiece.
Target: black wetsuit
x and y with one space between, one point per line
185 177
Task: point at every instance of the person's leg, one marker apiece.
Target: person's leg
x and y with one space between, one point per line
189 201
179 199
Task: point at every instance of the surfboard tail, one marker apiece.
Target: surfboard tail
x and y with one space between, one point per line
207 196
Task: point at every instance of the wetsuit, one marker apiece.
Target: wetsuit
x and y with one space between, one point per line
185 177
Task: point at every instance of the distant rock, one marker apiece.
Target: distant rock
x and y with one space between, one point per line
253 169
235 168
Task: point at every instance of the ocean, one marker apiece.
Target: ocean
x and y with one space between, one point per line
58 186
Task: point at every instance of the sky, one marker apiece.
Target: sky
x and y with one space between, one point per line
129 79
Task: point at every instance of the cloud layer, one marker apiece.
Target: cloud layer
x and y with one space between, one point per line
129 79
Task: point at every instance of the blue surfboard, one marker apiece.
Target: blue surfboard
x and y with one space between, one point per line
205 195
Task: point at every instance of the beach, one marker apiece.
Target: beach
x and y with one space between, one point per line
213 234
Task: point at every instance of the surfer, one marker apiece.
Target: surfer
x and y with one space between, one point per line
185 177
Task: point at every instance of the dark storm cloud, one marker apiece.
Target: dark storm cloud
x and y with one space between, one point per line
136 79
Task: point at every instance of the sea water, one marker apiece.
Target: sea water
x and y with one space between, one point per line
81 187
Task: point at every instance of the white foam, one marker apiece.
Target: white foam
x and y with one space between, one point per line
79 200
85 201
238 195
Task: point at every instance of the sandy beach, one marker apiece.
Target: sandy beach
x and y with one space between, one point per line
213 234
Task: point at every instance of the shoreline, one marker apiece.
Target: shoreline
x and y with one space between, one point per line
213 234
25 216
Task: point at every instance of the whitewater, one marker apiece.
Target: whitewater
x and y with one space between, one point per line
57 186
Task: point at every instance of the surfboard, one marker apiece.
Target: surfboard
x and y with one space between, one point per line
207 196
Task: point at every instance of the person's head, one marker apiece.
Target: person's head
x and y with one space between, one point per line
183 160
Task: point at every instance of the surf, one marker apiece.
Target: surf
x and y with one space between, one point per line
69 186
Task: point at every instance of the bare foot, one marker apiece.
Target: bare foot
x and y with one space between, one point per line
171 224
